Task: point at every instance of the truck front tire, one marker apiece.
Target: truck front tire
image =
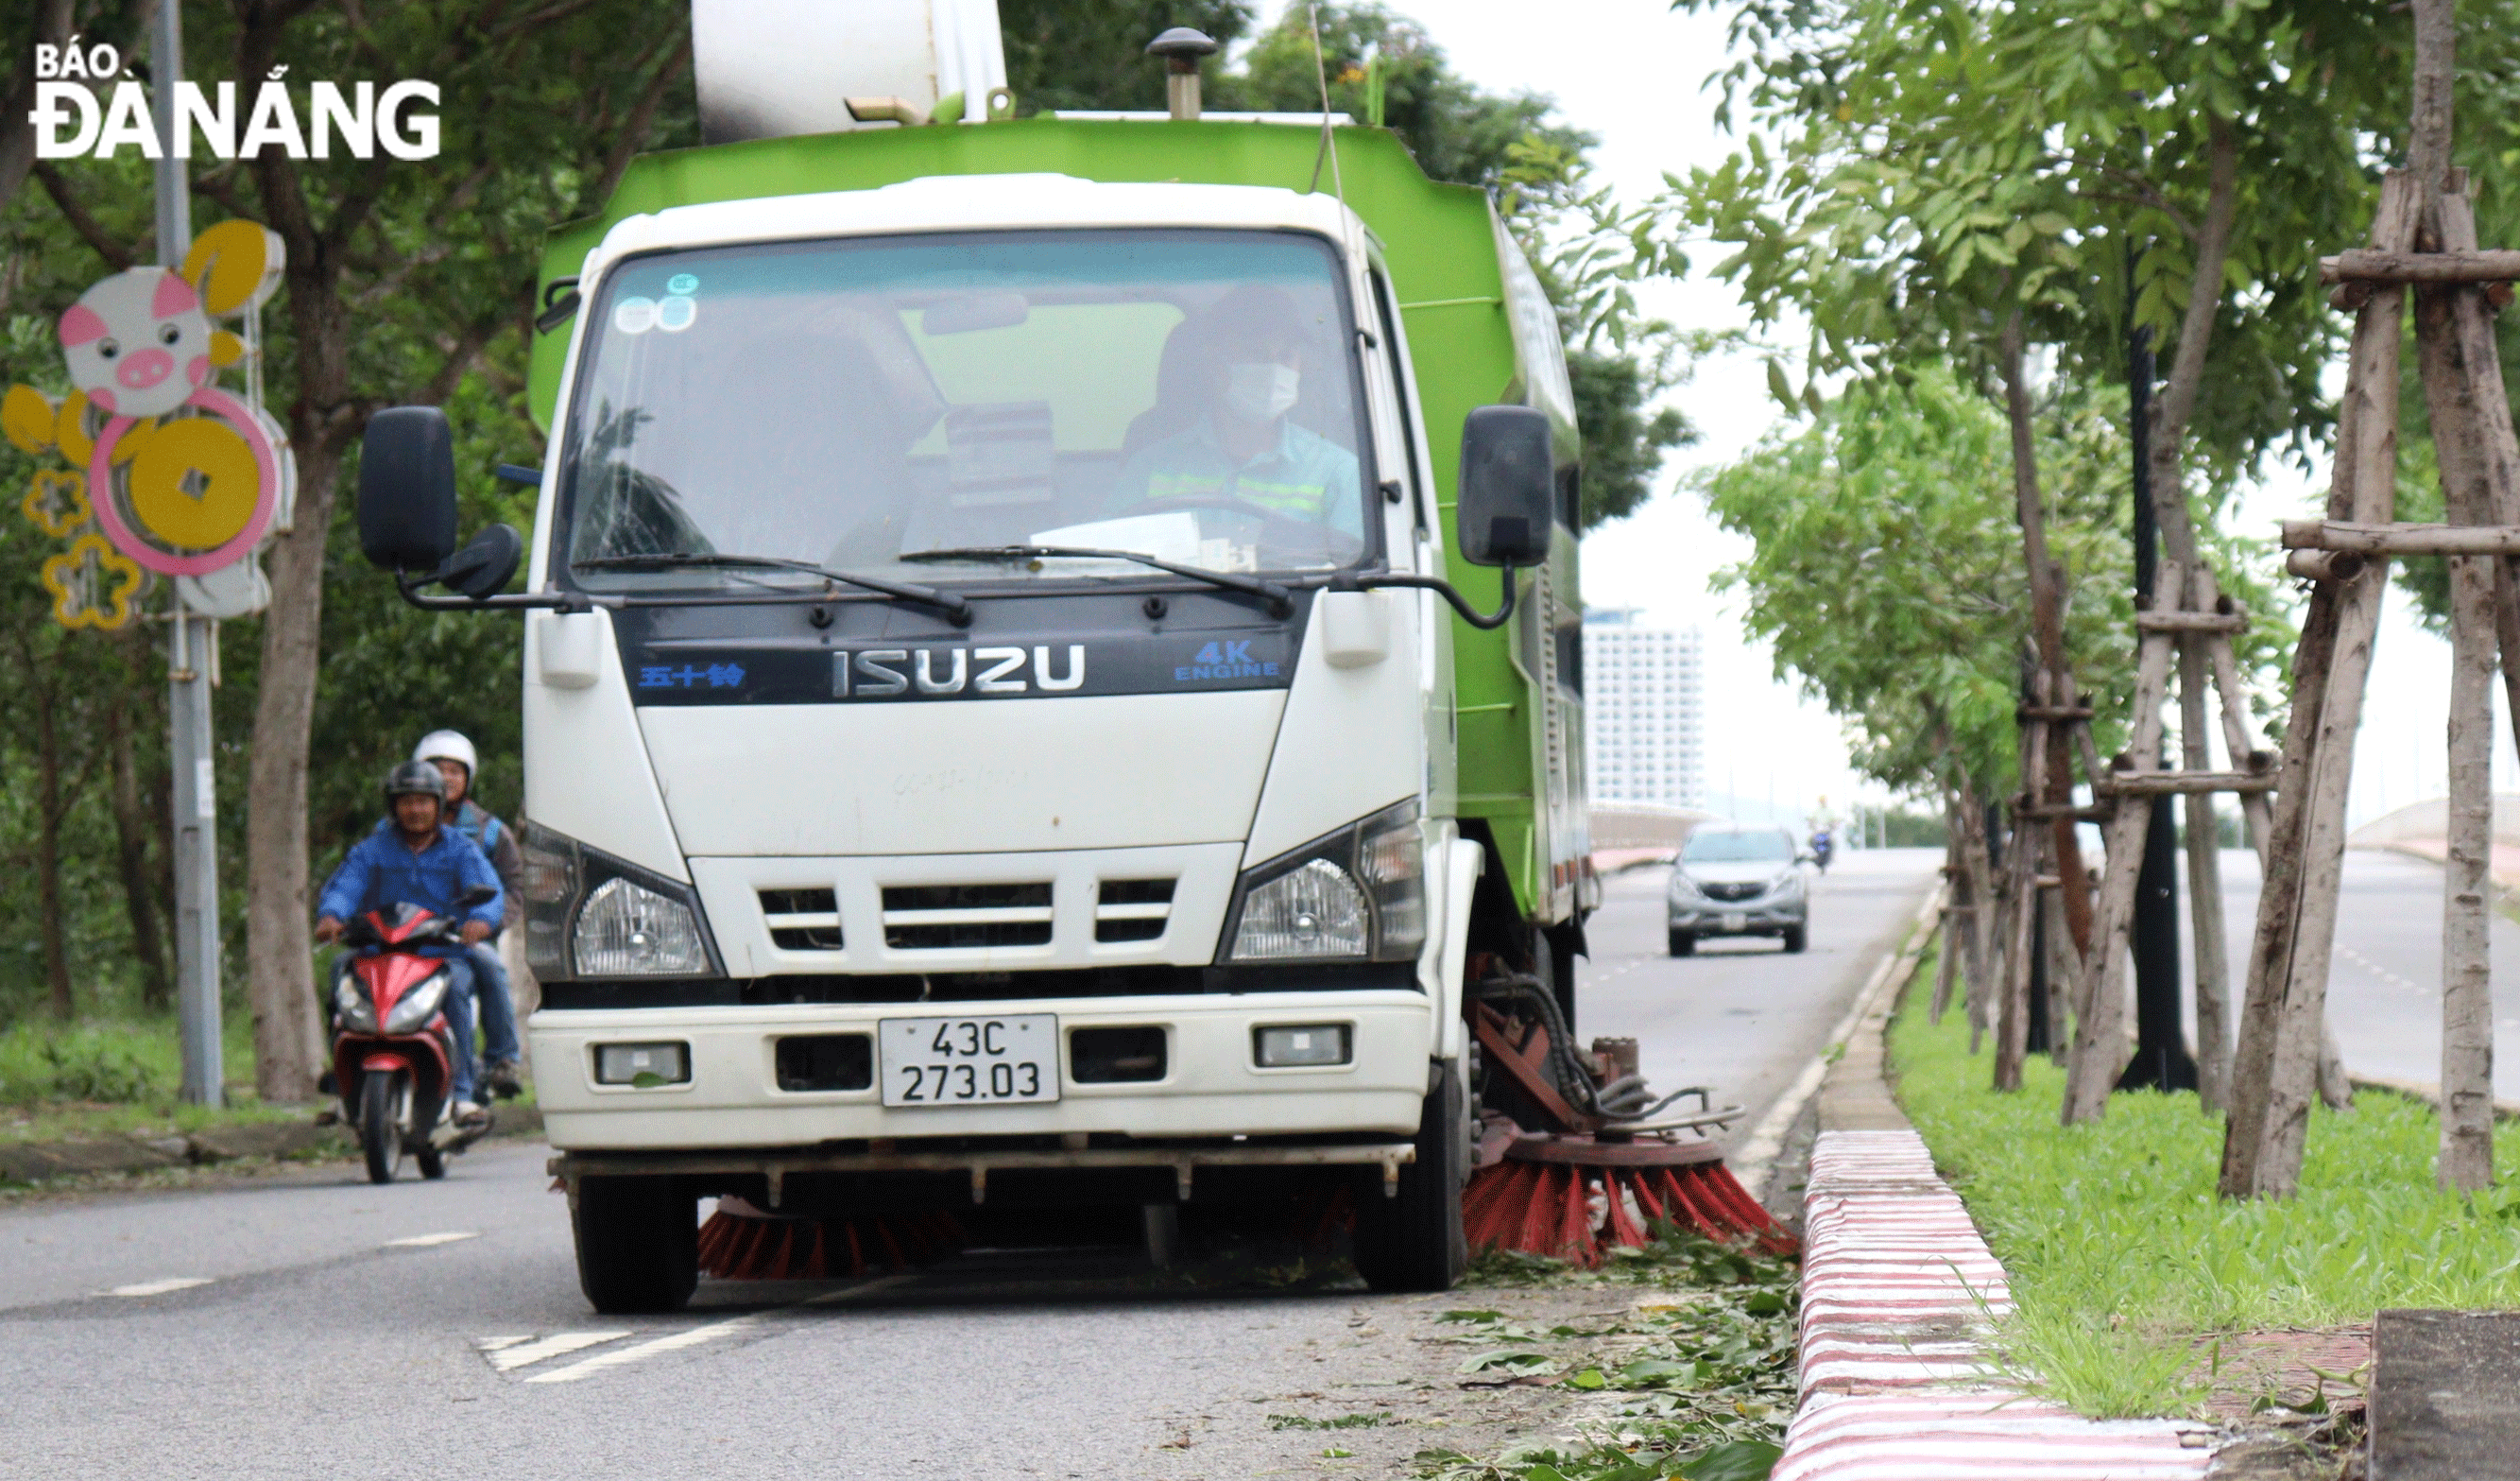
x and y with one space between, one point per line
1413 1242
638 1243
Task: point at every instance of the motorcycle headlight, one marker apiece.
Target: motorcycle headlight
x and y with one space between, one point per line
418 1006
351 1005
590 915
1357 895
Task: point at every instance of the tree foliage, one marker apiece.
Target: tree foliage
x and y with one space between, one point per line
1889 575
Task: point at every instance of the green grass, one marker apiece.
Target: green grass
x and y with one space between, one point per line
2123 1262
64 1082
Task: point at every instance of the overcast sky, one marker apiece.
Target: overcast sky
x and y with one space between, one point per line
1632 73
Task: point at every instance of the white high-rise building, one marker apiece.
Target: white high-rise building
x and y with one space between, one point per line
1642 711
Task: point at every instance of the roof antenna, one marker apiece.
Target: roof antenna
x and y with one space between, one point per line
1329 145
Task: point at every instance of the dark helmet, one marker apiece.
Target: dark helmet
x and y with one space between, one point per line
414 777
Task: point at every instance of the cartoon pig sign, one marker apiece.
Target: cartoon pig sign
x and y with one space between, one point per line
138 343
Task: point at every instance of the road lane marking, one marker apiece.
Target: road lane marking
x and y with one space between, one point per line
509 1357
157 1287
621 1354
494 1345
425 1242
676 1342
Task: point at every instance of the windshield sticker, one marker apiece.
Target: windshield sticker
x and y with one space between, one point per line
675 314
635 315
682 283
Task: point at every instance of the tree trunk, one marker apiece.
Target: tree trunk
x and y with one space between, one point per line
322 422
2047 633
1956 908
1979 871
279 943
2064 967
48 808
132 830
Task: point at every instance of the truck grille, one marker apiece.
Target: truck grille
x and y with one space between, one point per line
802 919
950 916
1133 910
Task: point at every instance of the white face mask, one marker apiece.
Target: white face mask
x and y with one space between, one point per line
1261 392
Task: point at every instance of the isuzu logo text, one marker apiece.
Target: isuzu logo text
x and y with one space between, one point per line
939 673
70 120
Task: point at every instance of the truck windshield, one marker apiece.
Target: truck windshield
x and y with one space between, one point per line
1188 395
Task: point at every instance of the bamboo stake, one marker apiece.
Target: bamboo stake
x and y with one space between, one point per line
2467 989
2205 866
2300 1021
2366 473
2012 1036
2461 370
2099 1025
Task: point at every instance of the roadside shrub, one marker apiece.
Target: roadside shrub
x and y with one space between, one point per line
83 1063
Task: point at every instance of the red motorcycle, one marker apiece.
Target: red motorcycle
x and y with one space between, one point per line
393 1050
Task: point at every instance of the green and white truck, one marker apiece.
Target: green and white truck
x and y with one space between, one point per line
1015 710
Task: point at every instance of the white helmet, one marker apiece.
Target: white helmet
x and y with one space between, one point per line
448 745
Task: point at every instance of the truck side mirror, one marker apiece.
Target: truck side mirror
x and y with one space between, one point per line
407 490
1507 509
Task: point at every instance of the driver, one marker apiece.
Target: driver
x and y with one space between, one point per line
411 860
1244 448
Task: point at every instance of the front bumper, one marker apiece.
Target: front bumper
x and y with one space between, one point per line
1210 1086
1747 917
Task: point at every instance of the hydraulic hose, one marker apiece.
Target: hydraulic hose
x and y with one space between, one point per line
1623 1099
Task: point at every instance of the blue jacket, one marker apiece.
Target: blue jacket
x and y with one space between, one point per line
382 870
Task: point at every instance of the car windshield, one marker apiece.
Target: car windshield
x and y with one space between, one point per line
1738 848
1187 395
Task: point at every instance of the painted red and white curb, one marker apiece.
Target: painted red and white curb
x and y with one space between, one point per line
1898 1294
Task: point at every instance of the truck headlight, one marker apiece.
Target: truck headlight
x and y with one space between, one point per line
416 1006
1357 895
629 931
590 914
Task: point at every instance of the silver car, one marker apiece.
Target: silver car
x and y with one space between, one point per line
1737 880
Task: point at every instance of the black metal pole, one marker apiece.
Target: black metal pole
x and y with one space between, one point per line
2160 1057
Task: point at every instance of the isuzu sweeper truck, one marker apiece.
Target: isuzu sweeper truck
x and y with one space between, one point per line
1051 680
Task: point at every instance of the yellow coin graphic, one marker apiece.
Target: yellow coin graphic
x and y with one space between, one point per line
192 483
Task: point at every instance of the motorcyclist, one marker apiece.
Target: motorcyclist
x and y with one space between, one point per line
452 753
411 859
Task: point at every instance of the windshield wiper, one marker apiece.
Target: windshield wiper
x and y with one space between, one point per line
1281 601
957 609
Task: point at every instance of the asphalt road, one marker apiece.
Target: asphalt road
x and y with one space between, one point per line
1741 1017
311 1325
2384 981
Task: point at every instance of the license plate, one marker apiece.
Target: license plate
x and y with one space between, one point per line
969 1061
1734 921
